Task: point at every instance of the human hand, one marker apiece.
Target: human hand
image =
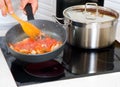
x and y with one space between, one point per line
34 4
6 7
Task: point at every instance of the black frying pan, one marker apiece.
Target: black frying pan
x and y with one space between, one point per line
55 30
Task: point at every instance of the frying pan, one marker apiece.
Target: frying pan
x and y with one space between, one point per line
53 29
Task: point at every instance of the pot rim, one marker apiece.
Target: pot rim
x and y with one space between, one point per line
109 10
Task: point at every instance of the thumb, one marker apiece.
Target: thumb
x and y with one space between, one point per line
23 4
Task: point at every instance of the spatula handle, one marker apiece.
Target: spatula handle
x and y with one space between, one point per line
28 9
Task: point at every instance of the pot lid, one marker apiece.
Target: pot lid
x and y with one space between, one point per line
90 12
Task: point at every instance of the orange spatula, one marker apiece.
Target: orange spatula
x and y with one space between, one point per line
30 29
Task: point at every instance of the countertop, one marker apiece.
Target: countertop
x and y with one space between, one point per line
104 80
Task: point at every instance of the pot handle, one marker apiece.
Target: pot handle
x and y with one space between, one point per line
89 15
58 19
29 13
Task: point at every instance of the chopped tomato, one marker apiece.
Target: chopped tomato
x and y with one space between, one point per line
39 46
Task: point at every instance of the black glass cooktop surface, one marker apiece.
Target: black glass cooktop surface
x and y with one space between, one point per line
71 63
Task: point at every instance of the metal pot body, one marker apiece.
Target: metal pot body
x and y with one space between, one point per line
91 35
94 35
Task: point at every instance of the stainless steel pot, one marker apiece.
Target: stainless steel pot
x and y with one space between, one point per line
90 26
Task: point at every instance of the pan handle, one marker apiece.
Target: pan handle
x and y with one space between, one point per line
29 13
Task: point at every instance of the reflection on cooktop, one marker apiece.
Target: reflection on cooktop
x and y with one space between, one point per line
83 61
37 72
72 63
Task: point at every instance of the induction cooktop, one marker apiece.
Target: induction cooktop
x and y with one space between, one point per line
73 62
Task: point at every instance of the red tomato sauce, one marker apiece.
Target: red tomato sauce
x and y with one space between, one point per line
39 46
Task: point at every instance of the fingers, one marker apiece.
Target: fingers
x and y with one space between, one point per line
34 7
3 8
23 4
34 4
9 6
6 7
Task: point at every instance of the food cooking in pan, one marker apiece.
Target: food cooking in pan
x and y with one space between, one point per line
36 46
